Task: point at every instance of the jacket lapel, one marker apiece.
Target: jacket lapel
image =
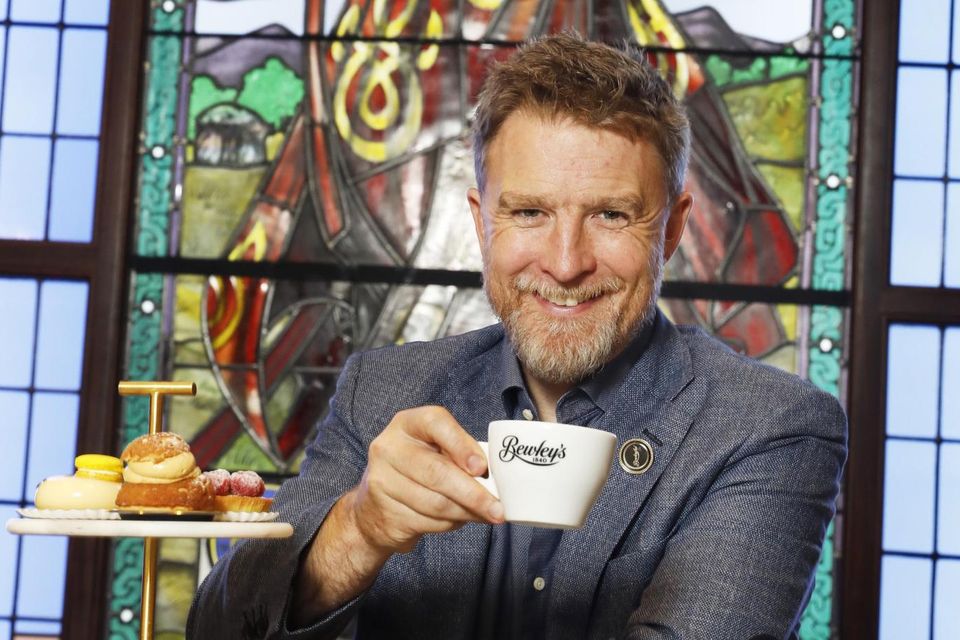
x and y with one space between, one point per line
648 406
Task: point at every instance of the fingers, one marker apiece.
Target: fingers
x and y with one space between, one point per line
419 479
436 426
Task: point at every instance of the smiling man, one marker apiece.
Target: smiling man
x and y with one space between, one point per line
712 523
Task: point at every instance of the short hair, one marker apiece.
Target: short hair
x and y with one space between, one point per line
594 84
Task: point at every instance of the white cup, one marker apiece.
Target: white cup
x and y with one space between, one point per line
547 474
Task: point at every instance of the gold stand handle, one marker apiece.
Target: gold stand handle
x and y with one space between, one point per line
156 390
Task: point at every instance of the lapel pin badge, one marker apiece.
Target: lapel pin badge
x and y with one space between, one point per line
636 456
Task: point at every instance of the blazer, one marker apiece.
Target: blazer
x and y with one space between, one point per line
718 539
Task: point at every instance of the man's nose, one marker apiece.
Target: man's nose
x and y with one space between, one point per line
569 252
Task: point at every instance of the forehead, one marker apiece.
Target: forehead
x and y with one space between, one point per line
535 153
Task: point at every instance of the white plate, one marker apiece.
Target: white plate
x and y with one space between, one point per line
68 514
246 516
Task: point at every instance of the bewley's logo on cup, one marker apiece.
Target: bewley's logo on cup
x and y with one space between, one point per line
541 455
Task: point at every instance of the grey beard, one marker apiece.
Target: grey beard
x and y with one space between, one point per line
563 352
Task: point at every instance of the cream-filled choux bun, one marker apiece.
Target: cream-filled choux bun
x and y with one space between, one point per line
161 472
94 485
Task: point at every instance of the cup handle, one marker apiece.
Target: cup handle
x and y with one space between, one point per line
487 483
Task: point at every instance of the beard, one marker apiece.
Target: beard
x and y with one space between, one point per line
568 350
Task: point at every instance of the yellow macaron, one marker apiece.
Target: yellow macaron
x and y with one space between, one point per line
99 467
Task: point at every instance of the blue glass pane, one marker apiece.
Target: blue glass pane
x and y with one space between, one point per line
949 398
63 321
913 376
924 30
24 173
74 190
38 629
53 437
3 39
43 568
916 242
921 131
8 562
87 12
905 585
951 260
16 326
948 501
35 10
31 80
946 613
953 150
81 81
5 630
908 486
14 407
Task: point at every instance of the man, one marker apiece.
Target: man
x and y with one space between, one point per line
580 156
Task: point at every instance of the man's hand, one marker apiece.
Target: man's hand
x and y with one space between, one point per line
419 479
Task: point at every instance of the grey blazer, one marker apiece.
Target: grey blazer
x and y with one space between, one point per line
719 539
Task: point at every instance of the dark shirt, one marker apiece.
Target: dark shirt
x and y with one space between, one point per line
520 558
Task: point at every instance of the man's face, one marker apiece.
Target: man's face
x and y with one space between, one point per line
574 226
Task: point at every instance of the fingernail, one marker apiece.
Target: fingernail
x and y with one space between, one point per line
475 464
496 511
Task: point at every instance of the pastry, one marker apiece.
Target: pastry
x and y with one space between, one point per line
94 485
162 472
239 491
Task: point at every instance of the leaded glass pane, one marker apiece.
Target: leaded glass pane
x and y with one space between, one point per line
905 597
913 376
946 616
40 592
30 80
81 67
14 407
90 12
8 558
73 189
17 323
948 501
908 486
60 335
35 10
916 241
24 173
924 30
921 126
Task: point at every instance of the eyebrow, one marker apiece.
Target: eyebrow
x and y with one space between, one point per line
513 200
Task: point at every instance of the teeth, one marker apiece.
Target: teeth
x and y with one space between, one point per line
563 302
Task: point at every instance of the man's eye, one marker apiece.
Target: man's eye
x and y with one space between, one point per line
527 214
613 216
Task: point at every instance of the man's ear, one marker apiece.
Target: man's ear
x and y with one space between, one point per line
473 198
676 222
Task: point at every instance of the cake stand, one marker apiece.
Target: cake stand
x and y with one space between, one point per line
150 530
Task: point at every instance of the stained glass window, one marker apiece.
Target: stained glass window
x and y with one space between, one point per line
301 196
